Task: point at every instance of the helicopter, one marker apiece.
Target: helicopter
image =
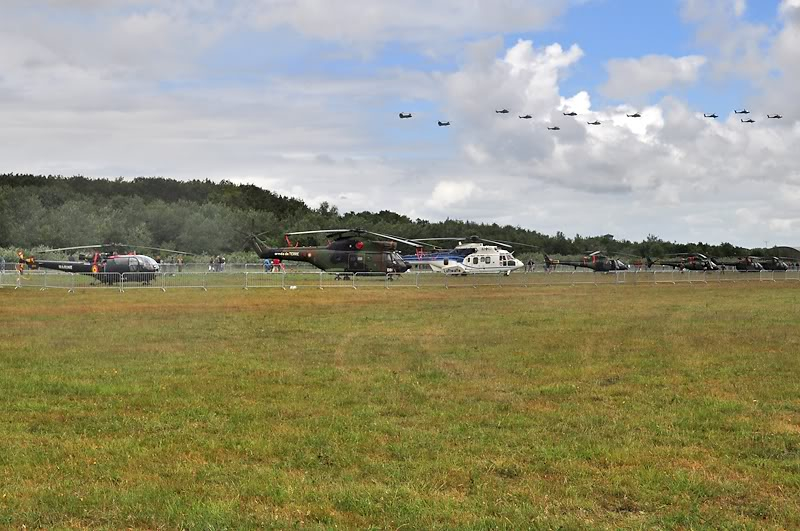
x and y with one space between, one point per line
347 253
691 261
107 267
472 255
745 263
596 261
773 263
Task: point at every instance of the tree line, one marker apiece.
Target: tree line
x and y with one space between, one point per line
204 217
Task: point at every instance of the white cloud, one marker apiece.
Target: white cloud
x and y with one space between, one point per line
448 193
416 21
631 78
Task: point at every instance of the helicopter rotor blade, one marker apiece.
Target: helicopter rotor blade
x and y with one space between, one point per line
329 231
410 243
96 246
145 247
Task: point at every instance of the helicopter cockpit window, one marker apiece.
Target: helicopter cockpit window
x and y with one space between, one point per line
133 264
148 263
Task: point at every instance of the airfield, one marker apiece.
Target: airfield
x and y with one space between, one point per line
674 405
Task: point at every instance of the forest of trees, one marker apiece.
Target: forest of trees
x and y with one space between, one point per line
206 217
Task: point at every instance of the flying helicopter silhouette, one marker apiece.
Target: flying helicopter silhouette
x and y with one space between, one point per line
712 115
526 117
350 251
554 128
502 111
405 115
107 266
443 124
748 121
634 115
571 113
743 111
596 122
596 261
775 116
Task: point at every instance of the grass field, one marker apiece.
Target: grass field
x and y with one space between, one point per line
607 406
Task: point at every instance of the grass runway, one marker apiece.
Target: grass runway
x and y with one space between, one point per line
585 406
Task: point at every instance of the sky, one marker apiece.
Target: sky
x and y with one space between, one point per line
302 97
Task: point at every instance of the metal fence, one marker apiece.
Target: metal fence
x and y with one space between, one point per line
42 279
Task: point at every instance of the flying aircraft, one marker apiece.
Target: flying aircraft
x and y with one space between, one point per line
571 113
443 124
502 111
712 115
526 117
405 115
348 252
748 121
692 261
634 115
107 267
596 122
743 111
778 116
554 128
596 261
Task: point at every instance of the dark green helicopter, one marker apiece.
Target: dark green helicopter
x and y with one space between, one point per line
350 251
774 263
745 263
691 261
596 261
107 267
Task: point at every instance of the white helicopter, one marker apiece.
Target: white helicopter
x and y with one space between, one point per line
473 257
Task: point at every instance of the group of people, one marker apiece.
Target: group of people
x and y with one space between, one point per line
274 266
217 264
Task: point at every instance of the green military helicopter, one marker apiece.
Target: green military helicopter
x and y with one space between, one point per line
691 261
744 263
774 263
596 261
349 251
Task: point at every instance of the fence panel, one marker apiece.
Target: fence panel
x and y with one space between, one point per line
406 280
97 281
260 279
183 280
225 280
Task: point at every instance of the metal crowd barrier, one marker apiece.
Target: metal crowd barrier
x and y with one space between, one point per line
288 280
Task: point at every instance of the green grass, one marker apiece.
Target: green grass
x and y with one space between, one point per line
586 406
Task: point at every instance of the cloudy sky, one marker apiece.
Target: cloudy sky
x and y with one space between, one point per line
302 97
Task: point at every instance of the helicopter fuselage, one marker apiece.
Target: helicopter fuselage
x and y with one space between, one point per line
349 255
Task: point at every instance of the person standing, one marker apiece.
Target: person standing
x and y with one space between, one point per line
180 264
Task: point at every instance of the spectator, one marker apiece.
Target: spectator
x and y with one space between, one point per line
277 266
180 264
222 263
266 265
2 264
211 264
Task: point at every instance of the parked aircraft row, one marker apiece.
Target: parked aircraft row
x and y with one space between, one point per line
351 251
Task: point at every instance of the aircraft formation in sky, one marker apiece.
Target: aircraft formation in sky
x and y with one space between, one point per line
404 115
